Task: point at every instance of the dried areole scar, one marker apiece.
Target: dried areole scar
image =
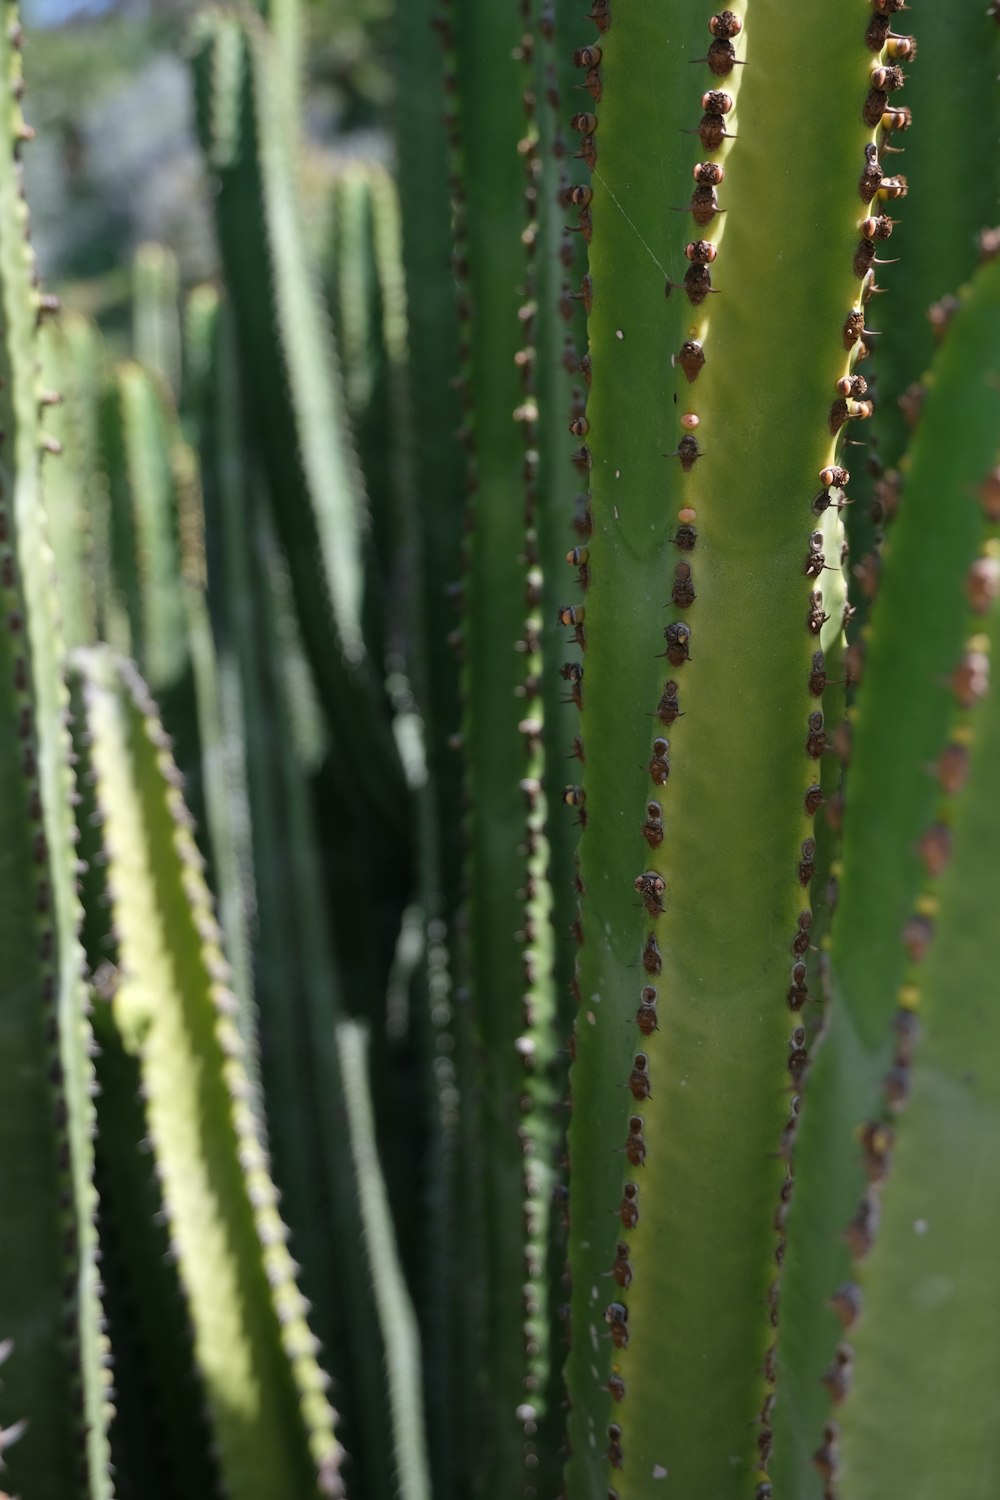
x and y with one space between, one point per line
651 887
652 828
659 762
678 639
725 24
700 252
616 1317
646 1016
691 358
668 709
639 1077
687 451
587 57
721 56
682 593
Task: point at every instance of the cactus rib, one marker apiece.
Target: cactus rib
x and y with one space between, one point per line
271 1420
708 424
903 713
55 1379
294 402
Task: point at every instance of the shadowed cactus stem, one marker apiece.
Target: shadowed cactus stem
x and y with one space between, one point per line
395 1308
244 102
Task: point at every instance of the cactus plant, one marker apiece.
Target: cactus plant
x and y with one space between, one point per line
609 962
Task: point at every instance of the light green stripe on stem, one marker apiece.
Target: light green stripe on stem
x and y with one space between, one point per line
392 1298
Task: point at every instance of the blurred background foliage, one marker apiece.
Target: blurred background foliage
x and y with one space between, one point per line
115 162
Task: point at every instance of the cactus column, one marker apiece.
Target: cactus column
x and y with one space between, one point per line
712 413
55 1403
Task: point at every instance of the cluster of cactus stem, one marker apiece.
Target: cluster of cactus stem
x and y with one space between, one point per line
467 1032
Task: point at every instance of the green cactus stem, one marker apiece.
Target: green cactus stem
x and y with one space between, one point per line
901 727
429 1023
558 380
438 466
145 523
541 1044
438 461
55 1397
156 317
159 1433
297 985
938 193
395 1307
367 295
218 689
509 942
714 428
295 406
354 296
75 505
288 23
917 1385
271 1422
560 386
157 561
949 190
227 810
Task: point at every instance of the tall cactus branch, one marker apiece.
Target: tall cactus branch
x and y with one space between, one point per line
713 445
